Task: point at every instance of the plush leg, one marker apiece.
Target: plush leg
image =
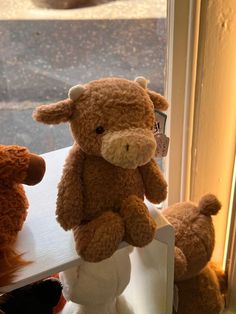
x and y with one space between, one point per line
99 238
139 225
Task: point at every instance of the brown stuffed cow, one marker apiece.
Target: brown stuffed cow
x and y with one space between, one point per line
110 167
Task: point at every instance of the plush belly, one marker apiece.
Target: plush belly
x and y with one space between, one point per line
105 186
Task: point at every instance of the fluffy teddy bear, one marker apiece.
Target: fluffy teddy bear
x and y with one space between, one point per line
200 285
38 298
17 166
110 167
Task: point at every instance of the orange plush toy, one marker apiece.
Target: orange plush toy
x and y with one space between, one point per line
17 166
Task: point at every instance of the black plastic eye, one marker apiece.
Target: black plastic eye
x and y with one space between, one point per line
99 130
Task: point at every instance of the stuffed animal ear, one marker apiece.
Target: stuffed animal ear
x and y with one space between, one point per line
158 100
35 171
55 113
209 205
180 263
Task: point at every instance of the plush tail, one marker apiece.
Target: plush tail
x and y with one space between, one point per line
10 262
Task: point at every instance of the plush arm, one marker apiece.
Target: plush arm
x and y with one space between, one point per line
154 182
70 195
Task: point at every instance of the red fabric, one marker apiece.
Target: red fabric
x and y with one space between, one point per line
60 305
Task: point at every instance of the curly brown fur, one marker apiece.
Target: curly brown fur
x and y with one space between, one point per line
209 205
158 100
200 294
222 277
200 286
153 181
111 121
17 165
100 237
10 263
63 111
139 226
70 200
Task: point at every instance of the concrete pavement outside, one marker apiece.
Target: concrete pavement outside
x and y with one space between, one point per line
40 59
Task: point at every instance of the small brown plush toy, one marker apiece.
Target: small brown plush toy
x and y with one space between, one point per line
110 167
200 284
17 165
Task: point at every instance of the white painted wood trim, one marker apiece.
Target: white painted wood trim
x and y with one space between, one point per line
183 28
152 269
166 235
230 249
189 100
213 146
201 81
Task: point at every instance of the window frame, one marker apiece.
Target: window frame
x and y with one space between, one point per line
230 252
189 30
183 31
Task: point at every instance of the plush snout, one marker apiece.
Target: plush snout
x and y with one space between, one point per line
129 148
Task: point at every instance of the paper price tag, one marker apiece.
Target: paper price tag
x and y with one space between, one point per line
160 124
162 140
162 145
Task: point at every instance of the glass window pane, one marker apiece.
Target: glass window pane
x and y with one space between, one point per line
45 51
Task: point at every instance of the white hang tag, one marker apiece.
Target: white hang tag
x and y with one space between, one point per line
160 123
162 145
162 140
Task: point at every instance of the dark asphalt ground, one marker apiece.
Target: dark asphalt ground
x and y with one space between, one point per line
41 60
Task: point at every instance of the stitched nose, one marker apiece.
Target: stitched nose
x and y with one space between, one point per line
127 147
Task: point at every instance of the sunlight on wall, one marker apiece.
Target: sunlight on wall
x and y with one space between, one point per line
213 148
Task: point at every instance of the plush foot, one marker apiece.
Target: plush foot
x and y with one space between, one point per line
139 225
99 238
